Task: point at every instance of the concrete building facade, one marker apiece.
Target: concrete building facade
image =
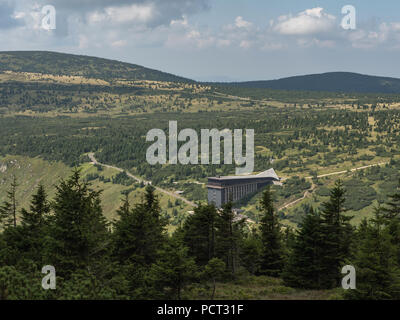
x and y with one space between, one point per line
233 188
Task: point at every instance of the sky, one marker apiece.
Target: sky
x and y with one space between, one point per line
214 40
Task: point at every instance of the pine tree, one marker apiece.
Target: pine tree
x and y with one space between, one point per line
375 262
392 211
214 270
125 208
271 238
172 271
391 215
337 236
140 232
199 233
304 268
8 211
228 237
39 209
33 224
79 231
250 252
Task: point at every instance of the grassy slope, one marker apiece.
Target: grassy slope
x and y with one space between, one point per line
260 288
32 171
67 64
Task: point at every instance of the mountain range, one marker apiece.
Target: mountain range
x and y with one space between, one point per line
55 63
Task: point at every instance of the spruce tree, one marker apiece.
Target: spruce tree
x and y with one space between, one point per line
199 233
140 232
337 236
33 225
172 271
271 237
79 231
124 209
304 267
214 270
228 237
251 251
392 209
39 210
375 262
8 211
391 215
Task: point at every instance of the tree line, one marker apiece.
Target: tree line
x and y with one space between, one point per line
134 257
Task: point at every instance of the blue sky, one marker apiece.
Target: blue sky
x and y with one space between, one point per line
215 40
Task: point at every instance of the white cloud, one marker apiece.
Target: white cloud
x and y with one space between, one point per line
387 34
119 43
309 42
310 21
136 14
241 23
180 22
133 13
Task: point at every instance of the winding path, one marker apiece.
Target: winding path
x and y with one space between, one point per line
190 203
308 193
170 193
352 170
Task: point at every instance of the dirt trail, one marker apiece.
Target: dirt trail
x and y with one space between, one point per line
170 193
173 194
352 170
308 192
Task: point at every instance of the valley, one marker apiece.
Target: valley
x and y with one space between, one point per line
61 117
77 126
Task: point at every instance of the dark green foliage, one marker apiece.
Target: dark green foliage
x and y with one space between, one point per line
137 260
391 213
85 286
392 209
250 252
214 270
378 275
271 237
172 271
362 195
122 178
337 236
8 211
323 192
199 233
17 285
34 226
228 236
67 64
328 82
294 187
139 232
79 232
304 267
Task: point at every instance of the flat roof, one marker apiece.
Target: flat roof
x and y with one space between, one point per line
270 173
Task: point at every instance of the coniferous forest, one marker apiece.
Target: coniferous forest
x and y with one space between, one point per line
134 257
85 216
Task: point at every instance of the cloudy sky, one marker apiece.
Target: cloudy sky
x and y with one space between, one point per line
215 40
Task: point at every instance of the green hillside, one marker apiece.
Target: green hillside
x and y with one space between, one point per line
328 82
55 63
30 172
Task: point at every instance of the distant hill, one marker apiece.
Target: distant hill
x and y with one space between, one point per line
55 63
331 81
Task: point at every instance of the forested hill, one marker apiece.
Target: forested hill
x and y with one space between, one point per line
55 63
331 81
62 64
